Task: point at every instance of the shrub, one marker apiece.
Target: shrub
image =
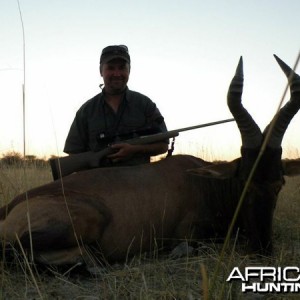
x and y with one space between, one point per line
12 158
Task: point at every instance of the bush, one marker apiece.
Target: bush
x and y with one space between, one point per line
12 158
16 159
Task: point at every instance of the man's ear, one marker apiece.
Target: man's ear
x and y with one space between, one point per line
100 69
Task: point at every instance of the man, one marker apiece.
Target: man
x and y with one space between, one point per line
116 114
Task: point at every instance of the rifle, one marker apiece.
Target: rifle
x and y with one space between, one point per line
64 166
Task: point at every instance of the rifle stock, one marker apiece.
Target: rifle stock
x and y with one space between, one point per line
67 165
64 166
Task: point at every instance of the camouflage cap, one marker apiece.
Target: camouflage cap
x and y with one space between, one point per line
116 51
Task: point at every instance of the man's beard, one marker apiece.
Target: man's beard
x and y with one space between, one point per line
116 88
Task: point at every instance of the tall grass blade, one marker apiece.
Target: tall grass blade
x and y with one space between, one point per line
29 268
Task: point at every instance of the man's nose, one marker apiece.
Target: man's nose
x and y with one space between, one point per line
117 72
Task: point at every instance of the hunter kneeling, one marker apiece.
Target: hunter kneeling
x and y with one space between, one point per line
102 125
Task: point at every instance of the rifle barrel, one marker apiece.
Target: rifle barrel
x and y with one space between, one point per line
204 125
153 138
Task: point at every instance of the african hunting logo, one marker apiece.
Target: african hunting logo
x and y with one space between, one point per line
267 279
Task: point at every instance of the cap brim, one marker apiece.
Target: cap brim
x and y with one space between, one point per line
111 57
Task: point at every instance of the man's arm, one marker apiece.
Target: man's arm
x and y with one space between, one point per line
76 141
125 150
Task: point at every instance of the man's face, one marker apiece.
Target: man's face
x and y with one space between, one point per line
115 75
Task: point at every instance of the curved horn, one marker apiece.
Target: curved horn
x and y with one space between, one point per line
287 112
250 132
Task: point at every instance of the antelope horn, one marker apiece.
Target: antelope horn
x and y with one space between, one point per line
285 68
250 132
287 112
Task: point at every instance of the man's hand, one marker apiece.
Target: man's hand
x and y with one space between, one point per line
123 151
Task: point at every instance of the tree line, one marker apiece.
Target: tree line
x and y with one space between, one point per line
13 158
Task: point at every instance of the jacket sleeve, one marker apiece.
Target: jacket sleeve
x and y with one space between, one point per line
77 139
154 116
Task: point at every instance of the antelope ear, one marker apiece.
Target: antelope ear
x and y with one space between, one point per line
222 170
291 167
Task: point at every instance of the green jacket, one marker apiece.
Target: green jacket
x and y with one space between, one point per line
96 124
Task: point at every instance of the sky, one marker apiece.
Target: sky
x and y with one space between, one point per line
184 55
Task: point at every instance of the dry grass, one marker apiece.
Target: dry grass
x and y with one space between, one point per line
15 180
144 277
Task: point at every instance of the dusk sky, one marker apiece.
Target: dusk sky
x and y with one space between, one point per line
184 55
